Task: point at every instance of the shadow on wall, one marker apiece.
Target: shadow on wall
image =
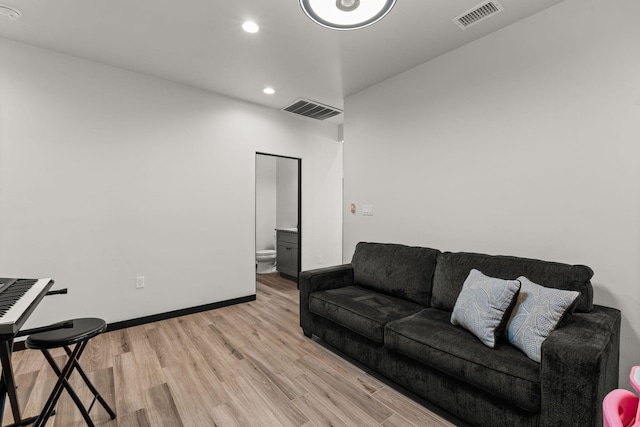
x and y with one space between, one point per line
629 340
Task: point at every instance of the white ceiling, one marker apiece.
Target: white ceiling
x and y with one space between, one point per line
201 43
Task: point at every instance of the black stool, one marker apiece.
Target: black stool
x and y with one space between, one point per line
78 332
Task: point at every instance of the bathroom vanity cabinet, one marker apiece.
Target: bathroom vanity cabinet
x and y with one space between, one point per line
287 254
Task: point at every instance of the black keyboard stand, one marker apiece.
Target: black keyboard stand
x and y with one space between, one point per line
57 292
7 384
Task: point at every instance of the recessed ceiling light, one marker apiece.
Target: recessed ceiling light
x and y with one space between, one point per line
250 27
9 12
269 90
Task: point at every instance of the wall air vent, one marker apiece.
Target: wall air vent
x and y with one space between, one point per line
307 108
477 14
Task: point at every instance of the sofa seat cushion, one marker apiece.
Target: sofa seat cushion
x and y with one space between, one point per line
504 371
362 310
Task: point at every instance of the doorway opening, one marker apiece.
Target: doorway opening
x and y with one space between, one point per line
278 239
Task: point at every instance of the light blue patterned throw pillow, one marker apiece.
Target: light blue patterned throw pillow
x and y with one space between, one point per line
483 306
535 315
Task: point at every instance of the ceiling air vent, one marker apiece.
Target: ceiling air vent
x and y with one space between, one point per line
477 14
307 108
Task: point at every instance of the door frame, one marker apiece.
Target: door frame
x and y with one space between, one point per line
299 160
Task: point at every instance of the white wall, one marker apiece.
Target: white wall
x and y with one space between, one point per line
525 142
106 175
266 196
287 205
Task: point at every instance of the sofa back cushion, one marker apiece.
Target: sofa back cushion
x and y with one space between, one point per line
401 271
453 268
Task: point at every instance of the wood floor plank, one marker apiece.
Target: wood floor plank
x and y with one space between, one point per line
318 414
68 415
271 337
28 361
119 341
192 408
248 313
256 410
166 351
232 334
97 355
221 363
410 410
355 375
148 368
126 384
397 420
211 345
375 408
239 366
338 404
223 415
238 318
103 380
210 386
271 393
175 333
25 385
275 372
44 384
136 333
195 388
162 410
138 418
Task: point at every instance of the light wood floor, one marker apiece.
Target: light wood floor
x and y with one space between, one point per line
243 365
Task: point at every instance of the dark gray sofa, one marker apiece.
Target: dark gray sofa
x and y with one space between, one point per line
390 310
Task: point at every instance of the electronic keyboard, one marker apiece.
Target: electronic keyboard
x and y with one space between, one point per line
18 299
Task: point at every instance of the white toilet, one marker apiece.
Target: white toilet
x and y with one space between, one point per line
266 261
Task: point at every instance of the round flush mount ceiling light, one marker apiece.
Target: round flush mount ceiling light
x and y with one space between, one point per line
269 90
9 12
346 14
250 27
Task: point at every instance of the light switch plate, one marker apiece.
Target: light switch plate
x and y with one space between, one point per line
367 210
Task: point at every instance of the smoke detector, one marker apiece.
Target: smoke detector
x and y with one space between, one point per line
9 12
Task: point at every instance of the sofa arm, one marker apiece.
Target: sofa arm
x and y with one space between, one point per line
579 366
320 279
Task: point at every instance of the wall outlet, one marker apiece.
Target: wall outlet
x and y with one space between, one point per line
367 210
140 282
319 259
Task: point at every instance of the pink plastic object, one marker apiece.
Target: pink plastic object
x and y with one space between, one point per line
620 408
635 378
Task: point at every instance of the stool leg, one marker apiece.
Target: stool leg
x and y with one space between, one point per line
61 384
73 357
89 384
